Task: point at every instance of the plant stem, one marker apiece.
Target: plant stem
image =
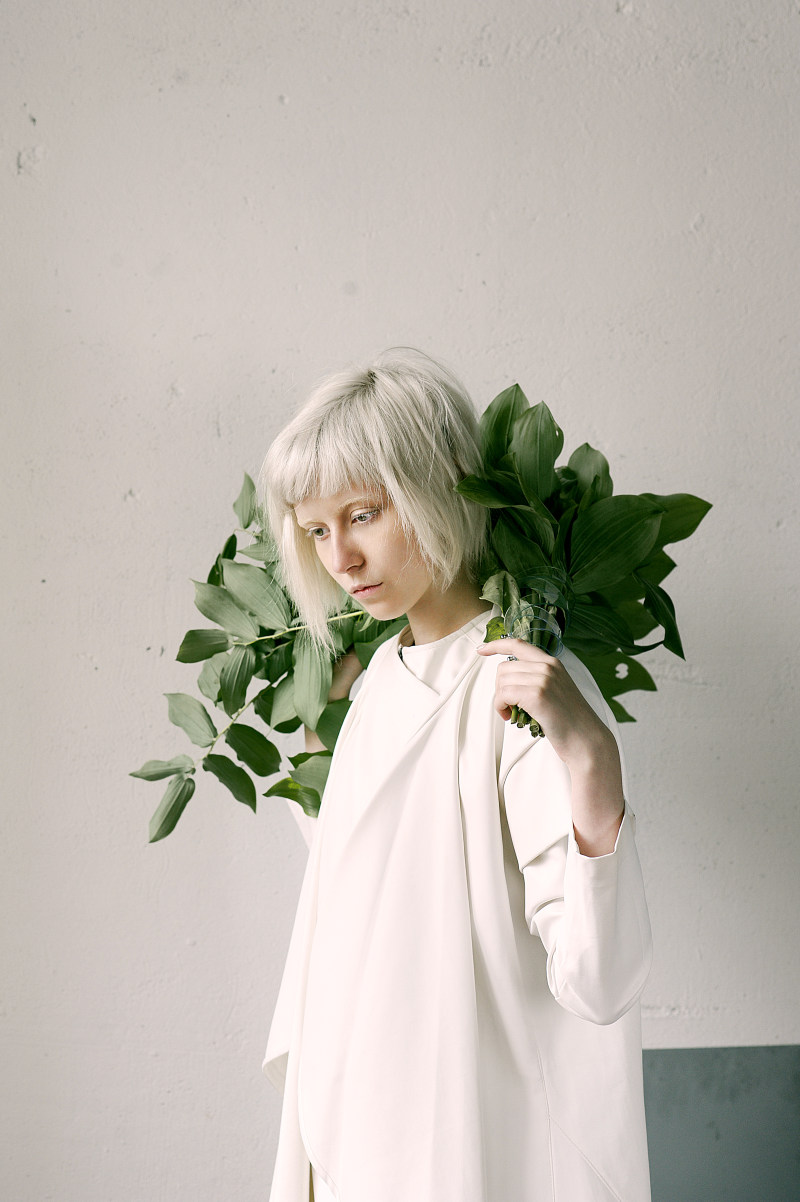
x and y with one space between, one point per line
293 629
277 634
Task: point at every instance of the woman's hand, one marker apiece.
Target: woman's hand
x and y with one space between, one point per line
541 685
346 672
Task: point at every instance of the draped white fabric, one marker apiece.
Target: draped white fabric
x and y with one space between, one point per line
458 1016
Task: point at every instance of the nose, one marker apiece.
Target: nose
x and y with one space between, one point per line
345 554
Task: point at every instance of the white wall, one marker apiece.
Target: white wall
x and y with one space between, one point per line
206 206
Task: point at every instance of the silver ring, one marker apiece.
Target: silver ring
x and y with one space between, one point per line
510 657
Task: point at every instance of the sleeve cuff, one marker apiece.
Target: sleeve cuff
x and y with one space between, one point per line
626 826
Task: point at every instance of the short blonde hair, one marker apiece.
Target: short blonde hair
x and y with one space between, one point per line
404 425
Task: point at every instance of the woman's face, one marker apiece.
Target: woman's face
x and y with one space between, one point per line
361 544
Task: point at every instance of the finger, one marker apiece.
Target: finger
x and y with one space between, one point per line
517 647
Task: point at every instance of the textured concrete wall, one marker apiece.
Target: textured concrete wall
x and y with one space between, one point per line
206 206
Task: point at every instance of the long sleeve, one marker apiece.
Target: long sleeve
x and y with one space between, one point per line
589 912
591 915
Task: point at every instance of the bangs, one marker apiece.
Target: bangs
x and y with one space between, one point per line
326 456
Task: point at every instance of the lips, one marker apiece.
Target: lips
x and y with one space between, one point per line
364 590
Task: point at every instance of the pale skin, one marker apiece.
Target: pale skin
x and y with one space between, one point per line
359 541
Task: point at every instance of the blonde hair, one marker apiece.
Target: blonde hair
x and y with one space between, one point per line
403 424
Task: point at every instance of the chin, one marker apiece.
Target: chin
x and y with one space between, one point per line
382 610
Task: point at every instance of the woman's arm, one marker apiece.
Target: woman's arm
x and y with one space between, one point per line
591 915
541 684
573 834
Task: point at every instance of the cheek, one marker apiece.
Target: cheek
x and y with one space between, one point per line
407 562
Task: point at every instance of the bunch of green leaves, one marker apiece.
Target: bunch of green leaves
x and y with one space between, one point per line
560 537
258 662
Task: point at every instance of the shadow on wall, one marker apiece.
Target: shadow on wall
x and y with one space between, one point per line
724 1124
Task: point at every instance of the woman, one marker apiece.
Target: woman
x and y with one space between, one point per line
458 1019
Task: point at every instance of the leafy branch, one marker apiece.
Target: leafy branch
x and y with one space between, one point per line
559 539
563 527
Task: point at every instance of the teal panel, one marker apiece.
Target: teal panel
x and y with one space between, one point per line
723 1124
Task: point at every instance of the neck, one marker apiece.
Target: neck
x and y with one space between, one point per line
438 613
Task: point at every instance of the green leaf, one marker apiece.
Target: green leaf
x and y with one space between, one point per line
495 629
263 549
227 552
366 650
504 475
683 513
279 661
618 673
217 604
548 586
517 553
172 805
311 769
484 492
610 540
536 444
639 619
158 769
597 629
235 676
309 799
262 704
368 629
497 422
631 588
233 778
208 680
312 680
591 496
533 522
501 589
564 530
589 465
202 644
568 487
284 712
662 609
345 630
330 721
255 590
253 749
192 717
245 504
656 567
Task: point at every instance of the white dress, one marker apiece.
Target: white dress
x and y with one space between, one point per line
458 1019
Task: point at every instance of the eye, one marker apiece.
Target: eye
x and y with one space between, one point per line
368 515
314 531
